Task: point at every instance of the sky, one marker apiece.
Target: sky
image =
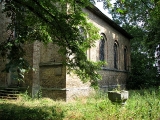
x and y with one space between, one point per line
100 6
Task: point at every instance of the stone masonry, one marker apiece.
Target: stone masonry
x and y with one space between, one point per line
50 75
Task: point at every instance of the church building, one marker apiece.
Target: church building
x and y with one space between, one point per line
50 75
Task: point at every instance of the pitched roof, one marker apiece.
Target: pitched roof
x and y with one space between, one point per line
98 13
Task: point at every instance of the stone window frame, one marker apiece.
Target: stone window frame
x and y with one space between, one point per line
84 34
116 54
82 31
102 47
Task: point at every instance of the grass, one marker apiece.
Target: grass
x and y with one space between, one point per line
141 105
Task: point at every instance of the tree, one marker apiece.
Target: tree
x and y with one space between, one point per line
144 14
53 21
141 19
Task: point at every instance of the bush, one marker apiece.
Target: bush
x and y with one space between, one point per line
143 73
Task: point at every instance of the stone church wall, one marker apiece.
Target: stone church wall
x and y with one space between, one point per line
3 34
76 88
111 77
52 74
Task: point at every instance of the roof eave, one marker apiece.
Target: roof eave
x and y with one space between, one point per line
97 12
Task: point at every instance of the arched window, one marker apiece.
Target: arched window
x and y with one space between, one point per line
102 47
115 48
82 32
83 38
125 58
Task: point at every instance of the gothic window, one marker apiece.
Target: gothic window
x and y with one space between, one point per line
125 58
102 48
83 36
82 32
115 55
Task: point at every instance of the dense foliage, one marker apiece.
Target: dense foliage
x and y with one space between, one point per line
50 21
141 13
141 19
143 72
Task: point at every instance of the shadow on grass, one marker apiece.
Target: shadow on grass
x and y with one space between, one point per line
9 111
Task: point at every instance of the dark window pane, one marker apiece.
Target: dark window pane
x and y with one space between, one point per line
125 59
115 56
101 49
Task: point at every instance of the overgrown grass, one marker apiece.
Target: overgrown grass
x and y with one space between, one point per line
141 105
